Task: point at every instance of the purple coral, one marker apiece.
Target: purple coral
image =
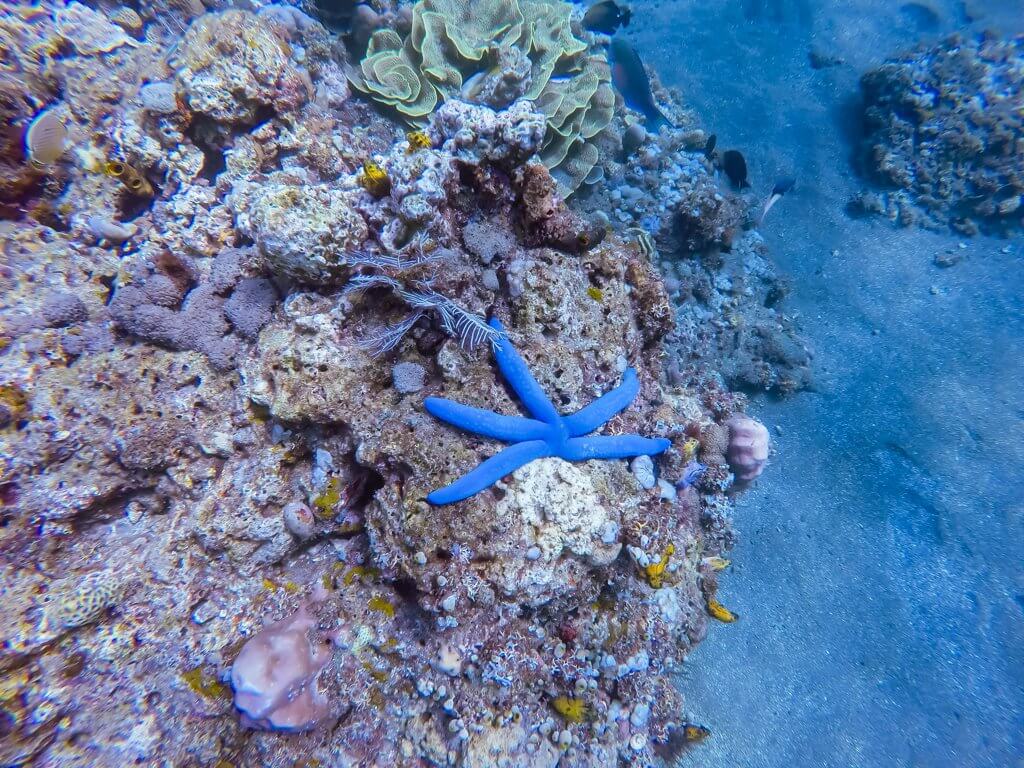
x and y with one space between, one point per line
146 308
250 305
274 676
59 309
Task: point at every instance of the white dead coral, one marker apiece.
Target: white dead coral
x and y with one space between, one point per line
232 65
304 232
476 133
569 516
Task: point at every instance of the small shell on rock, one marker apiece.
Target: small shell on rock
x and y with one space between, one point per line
134 511
46 137
448 661
127 19
632 138
298 518
666 490
203 612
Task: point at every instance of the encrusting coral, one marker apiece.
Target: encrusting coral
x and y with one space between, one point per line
748 447
148 307
274 676
943 135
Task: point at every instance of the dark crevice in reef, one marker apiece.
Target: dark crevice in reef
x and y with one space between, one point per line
131 207
206 135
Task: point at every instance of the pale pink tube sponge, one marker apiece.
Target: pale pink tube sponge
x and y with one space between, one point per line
274 676
748 447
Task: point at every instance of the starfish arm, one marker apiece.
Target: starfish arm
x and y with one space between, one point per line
511 429
520 379
613 447
586 420
490 471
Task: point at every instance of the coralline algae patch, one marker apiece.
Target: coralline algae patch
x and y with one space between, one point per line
228 287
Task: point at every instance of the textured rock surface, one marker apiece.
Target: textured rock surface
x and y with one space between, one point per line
302 230
232 64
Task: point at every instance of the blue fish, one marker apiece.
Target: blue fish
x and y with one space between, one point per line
630 78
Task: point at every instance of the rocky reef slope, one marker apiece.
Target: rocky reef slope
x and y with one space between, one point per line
227 291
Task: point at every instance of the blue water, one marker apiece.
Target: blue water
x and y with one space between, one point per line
880 569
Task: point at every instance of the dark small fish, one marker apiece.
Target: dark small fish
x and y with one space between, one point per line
782 186
630 78
605 17
709 148
735 168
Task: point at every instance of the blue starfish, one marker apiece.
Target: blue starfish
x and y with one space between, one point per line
547 434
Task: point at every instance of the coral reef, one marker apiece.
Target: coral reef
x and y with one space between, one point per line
231 65
148 306
943 129
211 473
730 319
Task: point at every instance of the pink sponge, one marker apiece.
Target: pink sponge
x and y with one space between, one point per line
748 447
274 677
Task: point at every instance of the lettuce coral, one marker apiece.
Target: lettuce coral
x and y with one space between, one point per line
494 53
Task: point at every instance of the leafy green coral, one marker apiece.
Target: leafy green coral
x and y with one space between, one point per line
390 74
493 52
